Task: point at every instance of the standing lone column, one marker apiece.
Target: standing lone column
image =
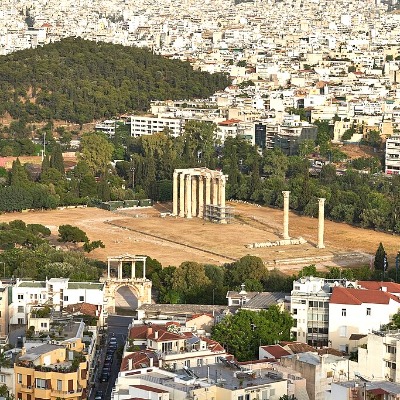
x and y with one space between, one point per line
286 214
201 197
188 193
175 195
321 223
182 195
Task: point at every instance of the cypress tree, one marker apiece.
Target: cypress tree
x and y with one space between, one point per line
56 160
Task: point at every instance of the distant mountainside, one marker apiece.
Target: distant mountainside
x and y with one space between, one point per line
78 81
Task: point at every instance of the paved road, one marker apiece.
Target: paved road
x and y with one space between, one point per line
117 327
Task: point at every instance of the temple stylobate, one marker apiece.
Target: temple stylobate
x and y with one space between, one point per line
200 192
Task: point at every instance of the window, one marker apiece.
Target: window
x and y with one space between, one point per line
81 298
59 385
247 397
20 297
343 331
2 378
368 311
19 378
294 311
240 397
65 298
40 383
329 374
43 324
187 363
344 312
20 308
21 321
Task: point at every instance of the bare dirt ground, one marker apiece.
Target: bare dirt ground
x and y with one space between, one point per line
174 240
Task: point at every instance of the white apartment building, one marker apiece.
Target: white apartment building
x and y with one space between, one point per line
392 155
55 292
310 309
141 125
358 311
380 358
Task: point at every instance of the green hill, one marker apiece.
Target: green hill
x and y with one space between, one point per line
78 80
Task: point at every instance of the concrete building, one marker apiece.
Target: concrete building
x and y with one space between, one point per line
146 125
358 311
58 293
310 309
379 358
50 371
319 371
392 155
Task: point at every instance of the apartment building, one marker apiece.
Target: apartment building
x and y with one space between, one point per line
50 372
358 311
319 370
145 125
392 155
310 309
58 293
380 357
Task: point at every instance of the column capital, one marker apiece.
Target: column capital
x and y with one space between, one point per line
321 200
285 193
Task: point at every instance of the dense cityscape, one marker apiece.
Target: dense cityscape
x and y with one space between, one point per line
199 201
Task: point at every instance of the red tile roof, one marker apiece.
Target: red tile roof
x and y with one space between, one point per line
391 287
149 388
342 295
82 308
140 359
276 351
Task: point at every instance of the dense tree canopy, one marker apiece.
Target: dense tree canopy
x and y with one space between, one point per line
79 81
242 333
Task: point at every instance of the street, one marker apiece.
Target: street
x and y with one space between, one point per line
118 328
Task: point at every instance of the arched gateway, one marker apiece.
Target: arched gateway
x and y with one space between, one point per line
121 271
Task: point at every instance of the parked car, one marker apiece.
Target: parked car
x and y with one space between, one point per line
98 395
105 377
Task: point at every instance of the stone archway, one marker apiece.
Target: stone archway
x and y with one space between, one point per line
139 287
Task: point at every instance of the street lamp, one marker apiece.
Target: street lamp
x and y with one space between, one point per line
132 169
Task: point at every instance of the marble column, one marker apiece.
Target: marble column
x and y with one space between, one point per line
215 191
120 270
286 214
133 269
188 195
208 189
221 190
182 195
201 197
321 223
194 196
144 268
175 194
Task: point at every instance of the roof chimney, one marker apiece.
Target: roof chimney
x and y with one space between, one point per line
130 364
151 361
149 331
384 289
155 334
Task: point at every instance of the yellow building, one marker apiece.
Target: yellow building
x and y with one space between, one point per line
51 372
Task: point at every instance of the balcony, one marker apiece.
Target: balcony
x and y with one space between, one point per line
26 389
66 394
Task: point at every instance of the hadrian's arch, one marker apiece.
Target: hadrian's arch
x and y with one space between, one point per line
126 272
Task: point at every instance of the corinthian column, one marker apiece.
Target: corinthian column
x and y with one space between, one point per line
182 195
286 214
194 195
321 223
175 194
201 197
188 192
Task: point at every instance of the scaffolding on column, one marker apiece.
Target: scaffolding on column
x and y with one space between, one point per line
219 214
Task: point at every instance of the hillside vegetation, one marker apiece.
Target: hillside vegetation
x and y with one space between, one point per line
78 81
